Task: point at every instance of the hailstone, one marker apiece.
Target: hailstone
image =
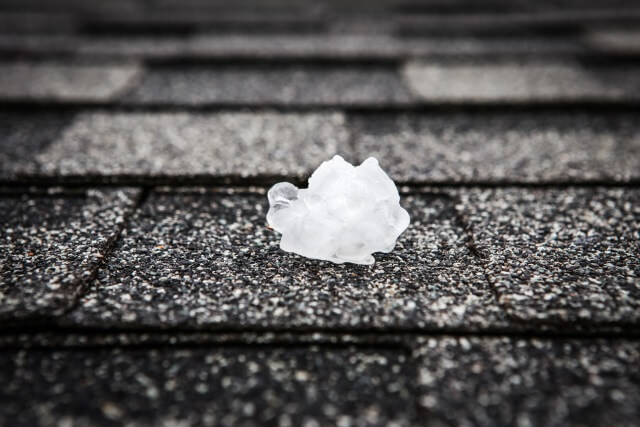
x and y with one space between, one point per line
347 213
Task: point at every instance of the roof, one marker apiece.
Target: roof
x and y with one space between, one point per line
141 285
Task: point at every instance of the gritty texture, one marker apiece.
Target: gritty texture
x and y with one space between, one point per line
521 82
51 245
494 147
202 259
22 135
272 85
229 386
187 144
511 381
64 82
560 255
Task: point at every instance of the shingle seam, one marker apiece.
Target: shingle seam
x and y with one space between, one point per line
83 284
482 257
529 330
150 339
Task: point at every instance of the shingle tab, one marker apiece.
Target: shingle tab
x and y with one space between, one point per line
149 145
51 244
368 46
33 22
513 381
522 82
294 47
620 41
272 85
298 46
501 147
65 82
215 386
23 136
560 255
206 259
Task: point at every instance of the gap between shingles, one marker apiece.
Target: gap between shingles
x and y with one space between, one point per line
466 227
400 340
85 284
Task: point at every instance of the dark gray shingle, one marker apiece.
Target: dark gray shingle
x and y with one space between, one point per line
205 259
272 85
501 146
65 82
207 386
513 381
150 145
23 136
522 82
560 255
51 244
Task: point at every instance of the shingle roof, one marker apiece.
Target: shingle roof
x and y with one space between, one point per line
140 283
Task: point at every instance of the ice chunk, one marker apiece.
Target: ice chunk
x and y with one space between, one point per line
345 215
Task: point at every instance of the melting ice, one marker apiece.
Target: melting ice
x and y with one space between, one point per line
347 213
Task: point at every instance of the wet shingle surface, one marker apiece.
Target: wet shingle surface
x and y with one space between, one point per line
149 145
567 255
140 284
51 245
229 386
199 259
495 147
511 381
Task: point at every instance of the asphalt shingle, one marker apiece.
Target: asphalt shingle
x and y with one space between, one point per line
23 135
508 18
620 41
188 22
206 259
378 85
521 82
351 46
513 298
501 146
34 22
51 245
217 386
510 381
369 46
567 256
334 46
151 145
65 82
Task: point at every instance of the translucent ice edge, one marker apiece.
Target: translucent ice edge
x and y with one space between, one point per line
345 215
